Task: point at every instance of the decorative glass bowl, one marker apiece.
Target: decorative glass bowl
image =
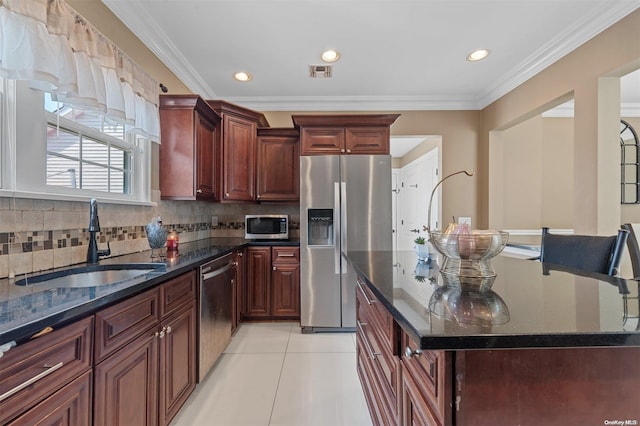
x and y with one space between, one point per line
469 308
469 254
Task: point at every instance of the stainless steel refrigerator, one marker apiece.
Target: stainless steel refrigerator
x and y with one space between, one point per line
345 204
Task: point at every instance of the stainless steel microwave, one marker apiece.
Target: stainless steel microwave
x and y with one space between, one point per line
266 227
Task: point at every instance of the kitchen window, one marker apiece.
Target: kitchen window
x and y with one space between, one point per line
62 152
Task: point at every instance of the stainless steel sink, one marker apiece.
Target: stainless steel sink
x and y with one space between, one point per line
92 275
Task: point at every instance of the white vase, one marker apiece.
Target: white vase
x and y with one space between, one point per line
422 250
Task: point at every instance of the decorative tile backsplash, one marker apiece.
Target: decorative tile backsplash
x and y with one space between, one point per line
37 235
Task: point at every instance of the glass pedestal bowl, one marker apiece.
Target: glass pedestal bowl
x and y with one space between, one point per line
469 255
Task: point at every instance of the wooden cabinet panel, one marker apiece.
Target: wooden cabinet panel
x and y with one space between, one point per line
121 323
190 149
322 141
61 355
273 282
126 384
285 295
561 386
379 349
207 163
258 296
429 373
177 361
239 166
278 165
416 410
237 297
69 406
177 292
344 134
367 140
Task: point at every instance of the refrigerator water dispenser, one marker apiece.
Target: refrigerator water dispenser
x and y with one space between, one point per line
320 227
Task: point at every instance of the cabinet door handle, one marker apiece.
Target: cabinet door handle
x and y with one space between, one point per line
274 268
348 151
168 329
369 301
372 354
162 332
342 150
199 191
408 353
31 381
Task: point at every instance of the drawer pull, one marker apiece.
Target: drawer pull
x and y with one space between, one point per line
369 301
372 354
408 353
31 381
286 254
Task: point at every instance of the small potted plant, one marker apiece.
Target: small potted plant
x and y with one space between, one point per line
422 250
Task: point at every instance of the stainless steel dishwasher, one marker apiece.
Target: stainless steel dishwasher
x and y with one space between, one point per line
216 282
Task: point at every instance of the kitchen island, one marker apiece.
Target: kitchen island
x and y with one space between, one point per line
542 346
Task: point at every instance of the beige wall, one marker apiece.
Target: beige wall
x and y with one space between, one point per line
614 52
532 171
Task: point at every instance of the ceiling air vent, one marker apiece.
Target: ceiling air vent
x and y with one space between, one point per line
319 71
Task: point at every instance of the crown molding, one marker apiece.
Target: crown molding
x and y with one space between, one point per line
353 103
135 18
575 35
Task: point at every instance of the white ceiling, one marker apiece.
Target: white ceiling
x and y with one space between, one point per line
396 54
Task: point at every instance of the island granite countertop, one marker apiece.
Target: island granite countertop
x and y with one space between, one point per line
524 308
26 310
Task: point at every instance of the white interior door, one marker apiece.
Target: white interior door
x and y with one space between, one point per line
395 186
417 181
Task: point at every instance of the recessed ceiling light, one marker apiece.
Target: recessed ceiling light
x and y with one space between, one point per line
330 55
242 76
478 55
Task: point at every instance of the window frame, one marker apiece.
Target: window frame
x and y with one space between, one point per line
23 143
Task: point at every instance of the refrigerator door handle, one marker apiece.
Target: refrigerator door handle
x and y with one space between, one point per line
336 227
343 219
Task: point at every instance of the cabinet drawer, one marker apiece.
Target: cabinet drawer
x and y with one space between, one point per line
121 323
429 372
177 292
70 406
36 369
376 312
382 404
282 255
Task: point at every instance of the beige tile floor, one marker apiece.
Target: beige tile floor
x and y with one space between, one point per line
271 374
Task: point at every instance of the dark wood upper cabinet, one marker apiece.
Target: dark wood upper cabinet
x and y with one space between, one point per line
278 165
190 150
239 136
344 134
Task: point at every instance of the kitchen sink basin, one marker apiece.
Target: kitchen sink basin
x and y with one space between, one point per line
92 275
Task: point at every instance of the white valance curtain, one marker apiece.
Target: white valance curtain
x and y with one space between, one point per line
48 43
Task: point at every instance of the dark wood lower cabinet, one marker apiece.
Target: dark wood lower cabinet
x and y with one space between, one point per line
126 384
69 406
525 386
177 362
272 286
147 376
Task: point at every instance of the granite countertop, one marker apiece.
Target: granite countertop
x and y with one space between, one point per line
25 310
524 308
